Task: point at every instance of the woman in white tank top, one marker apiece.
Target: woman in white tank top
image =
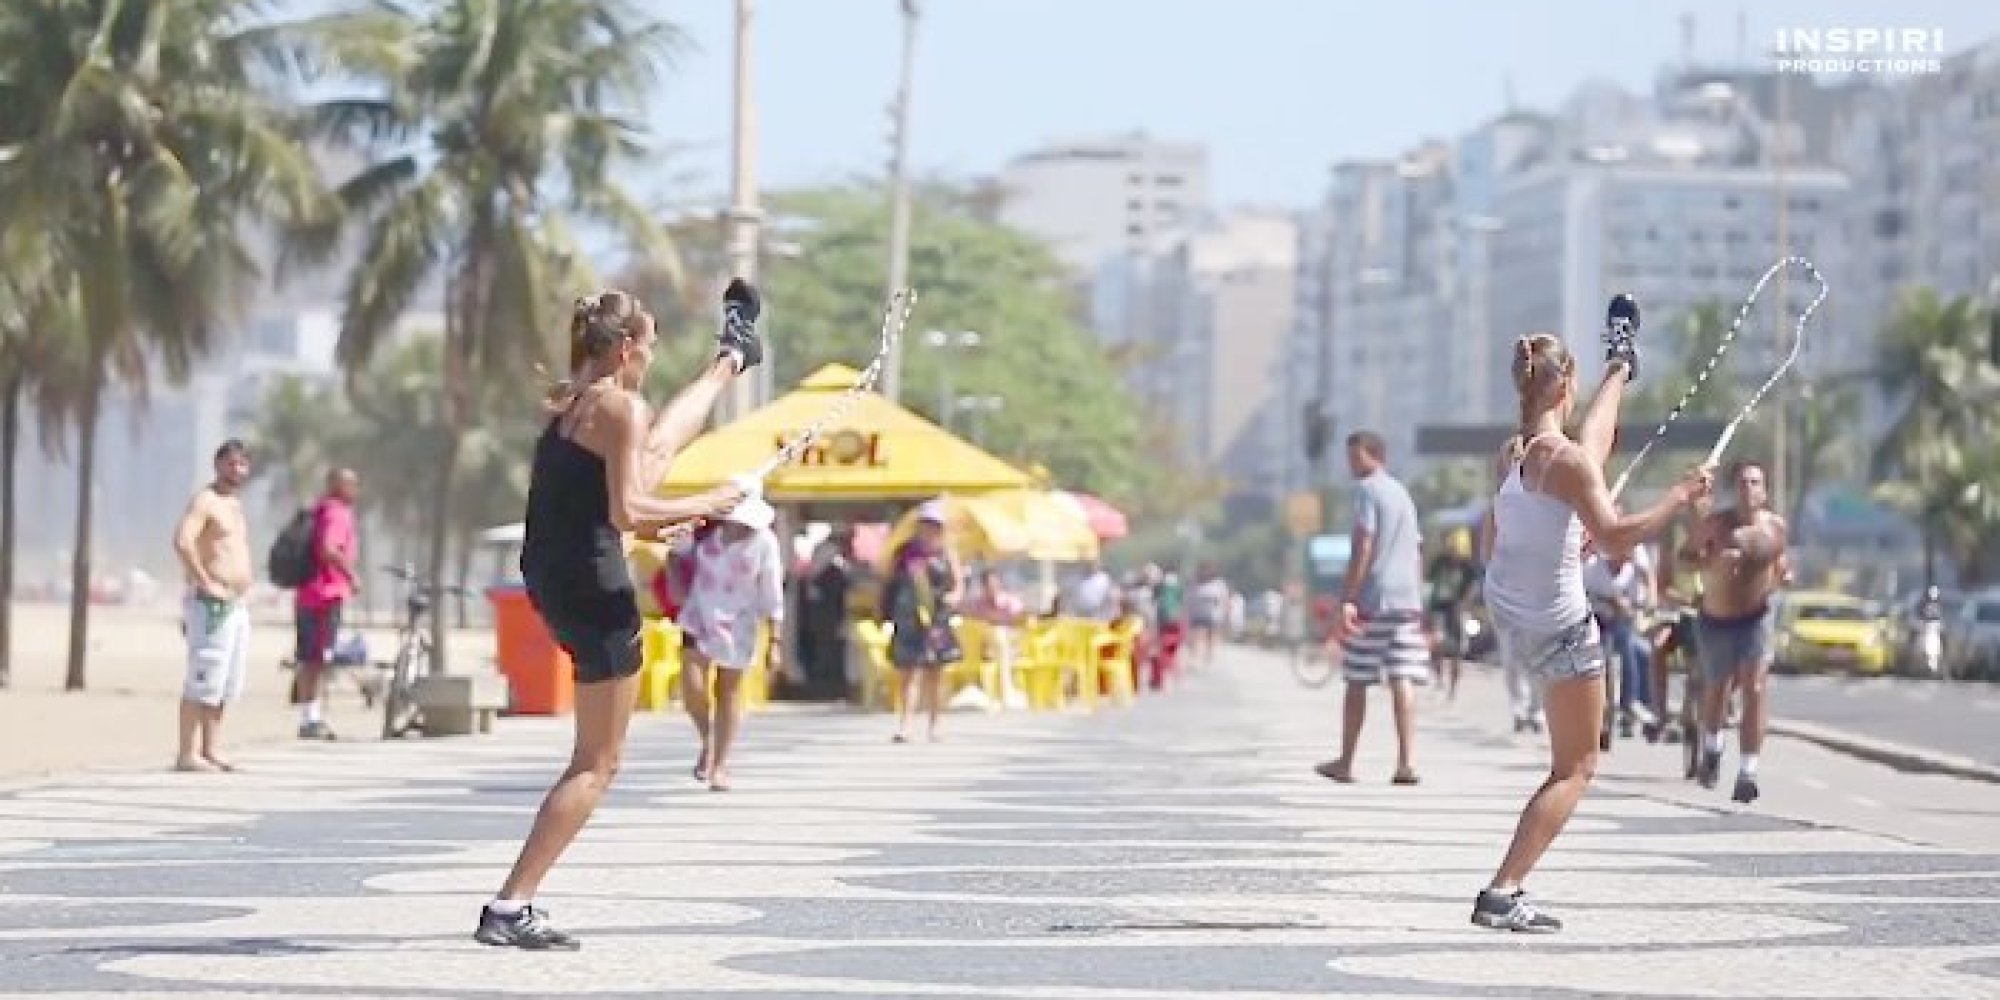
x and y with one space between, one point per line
1551 492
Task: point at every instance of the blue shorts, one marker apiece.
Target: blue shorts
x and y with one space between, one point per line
1731 646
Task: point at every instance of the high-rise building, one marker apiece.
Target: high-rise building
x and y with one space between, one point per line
1218 305
1391 285
1108 197
1923 156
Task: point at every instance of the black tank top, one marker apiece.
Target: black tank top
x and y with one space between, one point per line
569 538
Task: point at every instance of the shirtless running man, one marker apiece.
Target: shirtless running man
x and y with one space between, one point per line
213 543
1741 555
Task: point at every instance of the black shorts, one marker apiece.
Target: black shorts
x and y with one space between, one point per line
598 628
316 632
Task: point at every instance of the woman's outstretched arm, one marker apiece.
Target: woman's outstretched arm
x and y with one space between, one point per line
1579 481
1599 430
681 420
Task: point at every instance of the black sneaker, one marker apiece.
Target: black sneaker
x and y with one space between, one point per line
529 929
317 731
1502 911
1746 789
1711 768
741 305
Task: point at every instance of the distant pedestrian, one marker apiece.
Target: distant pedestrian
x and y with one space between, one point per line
213 545
1744 563
918 599
1452 574
1208 613
738 586
1382 608
323 597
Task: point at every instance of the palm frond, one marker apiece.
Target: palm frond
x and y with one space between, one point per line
405 244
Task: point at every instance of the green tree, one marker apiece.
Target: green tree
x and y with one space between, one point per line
298 421
1936 456
141 138
501 124
37 335
1065 407
1696 333
1452 484
1823 420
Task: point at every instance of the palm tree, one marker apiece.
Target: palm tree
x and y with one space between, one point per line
392 430
298 424
501 122
138 143
1823 428
1931 365
1943 391
41 349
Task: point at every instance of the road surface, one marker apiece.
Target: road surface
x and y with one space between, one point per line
1959 719
1178 849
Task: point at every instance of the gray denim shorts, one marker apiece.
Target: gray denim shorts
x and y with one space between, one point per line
1729 646
1566 654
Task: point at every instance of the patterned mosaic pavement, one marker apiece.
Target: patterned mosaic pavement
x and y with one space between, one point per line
1178 849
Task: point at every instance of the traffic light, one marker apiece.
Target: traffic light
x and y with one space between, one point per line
1993 333
1317 430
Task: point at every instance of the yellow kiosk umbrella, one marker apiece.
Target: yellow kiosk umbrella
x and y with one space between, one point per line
1010 524
976 529
882 452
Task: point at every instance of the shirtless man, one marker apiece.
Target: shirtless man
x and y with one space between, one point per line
213 543
1741 556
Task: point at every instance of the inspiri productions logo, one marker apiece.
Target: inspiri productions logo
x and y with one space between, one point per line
1860 50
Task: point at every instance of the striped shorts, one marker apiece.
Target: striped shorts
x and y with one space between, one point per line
1390 647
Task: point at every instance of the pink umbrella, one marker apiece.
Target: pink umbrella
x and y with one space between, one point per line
1107 521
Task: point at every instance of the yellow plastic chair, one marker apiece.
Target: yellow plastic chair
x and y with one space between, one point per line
979 668
660 666
1115 648
1076 645
756 687
881 687
1040 670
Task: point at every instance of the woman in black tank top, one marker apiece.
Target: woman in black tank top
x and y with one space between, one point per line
595 467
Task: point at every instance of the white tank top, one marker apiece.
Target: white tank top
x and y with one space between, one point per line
1534 582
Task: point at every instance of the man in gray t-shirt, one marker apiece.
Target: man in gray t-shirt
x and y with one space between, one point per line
1382 610
1394 578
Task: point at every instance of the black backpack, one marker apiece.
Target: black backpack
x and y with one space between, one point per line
291 562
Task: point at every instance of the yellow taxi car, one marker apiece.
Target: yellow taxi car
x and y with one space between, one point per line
1825 630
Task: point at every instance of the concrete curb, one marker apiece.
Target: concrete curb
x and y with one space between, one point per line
1896 755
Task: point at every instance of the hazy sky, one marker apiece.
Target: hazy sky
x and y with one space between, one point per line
1279 89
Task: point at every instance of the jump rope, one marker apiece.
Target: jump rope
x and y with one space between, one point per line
736 325
1624 324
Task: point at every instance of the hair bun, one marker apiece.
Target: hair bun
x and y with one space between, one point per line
1524 356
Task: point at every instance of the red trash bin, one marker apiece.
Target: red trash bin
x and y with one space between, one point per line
539 674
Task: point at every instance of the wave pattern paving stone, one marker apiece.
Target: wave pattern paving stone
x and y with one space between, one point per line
1177 849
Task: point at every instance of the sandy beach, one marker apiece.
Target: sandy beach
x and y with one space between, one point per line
127 716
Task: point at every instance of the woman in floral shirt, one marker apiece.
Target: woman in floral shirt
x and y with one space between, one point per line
737 583
919 599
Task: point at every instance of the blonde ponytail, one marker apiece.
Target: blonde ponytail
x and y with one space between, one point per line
1542 365
597 323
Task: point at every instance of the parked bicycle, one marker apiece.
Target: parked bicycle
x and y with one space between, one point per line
400 712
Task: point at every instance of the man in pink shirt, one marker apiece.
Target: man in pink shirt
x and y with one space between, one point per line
323 595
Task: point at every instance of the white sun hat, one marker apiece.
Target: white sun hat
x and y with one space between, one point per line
754 512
